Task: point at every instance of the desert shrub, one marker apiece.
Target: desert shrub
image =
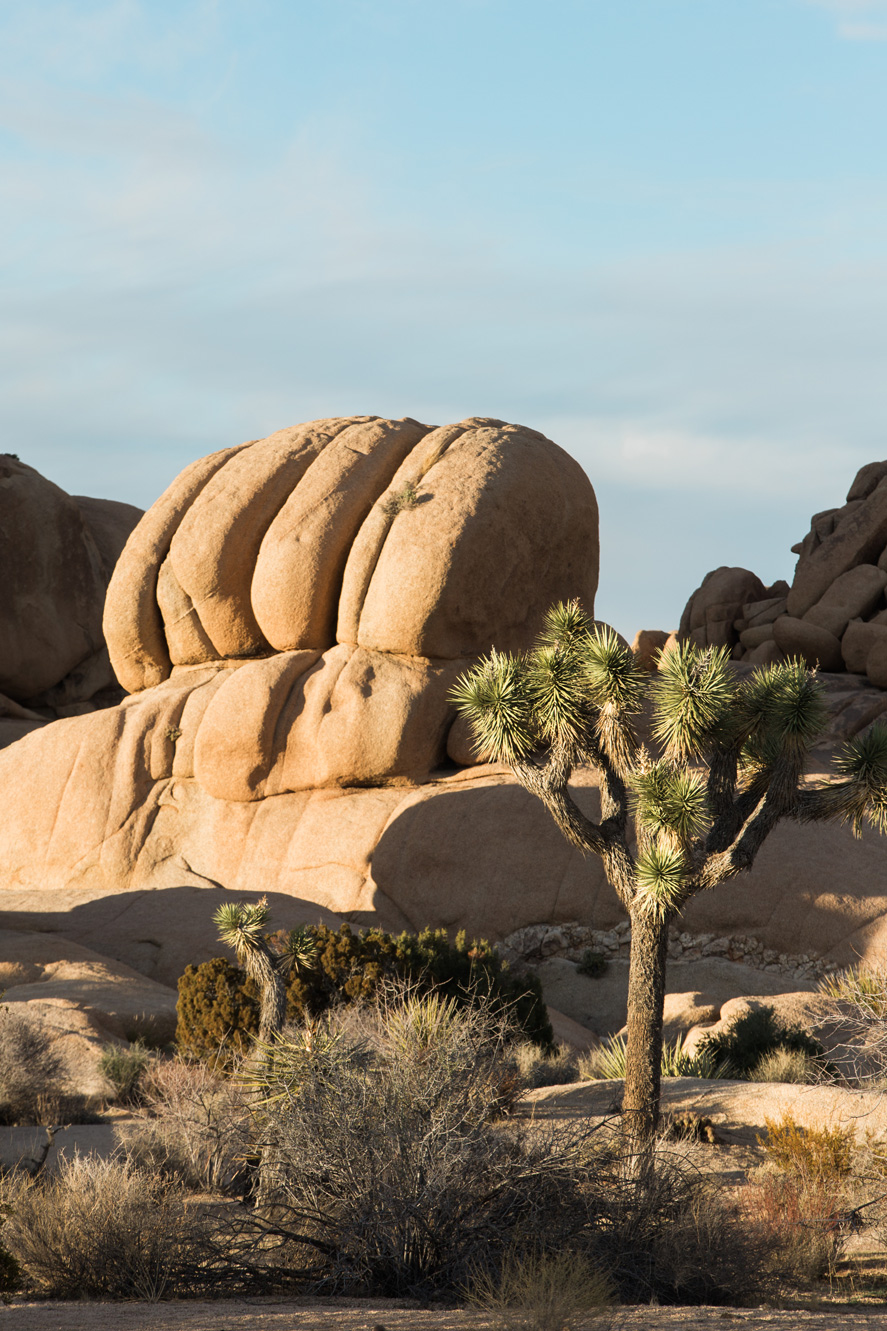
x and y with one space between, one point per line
677 1238
805 1194
104 1228
810 1153
539 1067
195 1127
787 1065
218 1006
384 1171
593 964
607 1061
403 500
29 1070
124 1067
541 1291
218 1011
859 1021
864 985
752 1036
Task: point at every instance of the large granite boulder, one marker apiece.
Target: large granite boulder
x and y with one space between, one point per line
57 552
289 618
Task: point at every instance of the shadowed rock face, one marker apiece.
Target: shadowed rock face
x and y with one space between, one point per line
57 552
835 612
289 619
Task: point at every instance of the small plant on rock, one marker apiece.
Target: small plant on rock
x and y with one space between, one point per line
402 501
593 964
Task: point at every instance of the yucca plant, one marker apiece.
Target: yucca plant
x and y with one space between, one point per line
608 1061
730 767
242 927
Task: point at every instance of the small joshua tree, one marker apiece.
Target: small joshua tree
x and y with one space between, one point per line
732 766
242 927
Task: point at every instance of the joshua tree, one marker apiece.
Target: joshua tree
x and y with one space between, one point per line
242 927
731 766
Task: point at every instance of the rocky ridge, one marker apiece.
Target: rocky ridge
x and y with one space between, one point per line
834 614
540 942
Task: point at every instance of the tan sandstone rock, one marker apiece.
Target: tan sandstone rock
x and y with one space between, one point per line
853 595
858 640
709 616
858 535
647 646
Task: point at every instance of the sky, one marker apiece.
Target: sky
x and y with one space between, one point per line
655 230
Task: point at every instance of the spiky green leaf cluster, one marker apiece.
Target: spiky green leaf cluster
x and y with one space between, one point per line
579 684
240 924
565 625
864 762
780 709
617 686
495 698
692 699
298 950
557 695
660 878
670 804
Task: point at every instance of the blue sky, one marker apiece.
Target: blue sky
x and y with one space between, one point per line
654 229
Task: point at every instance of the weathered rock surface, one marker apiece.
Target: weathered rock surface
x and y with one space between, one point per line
380 534
290 617
708 618
57 553
139 879
118 1001
699 992
647 645
834 613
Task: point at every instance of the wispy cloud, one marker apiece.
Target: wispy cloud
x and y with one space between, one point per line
857 20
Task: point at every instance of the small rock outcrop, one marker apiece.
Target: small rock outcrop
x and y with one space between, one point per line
57 552
834 614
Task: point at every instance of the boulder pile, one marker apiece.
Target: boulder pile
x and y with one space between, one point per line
835 611
57 552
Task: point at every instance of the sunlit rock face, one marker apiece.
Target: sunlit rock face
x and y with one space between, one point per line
288 620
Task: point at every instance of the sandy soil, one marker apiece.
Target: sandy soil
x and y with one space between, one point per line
355 1315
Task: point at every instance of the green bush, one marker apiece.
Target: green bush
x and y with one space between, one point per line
607 1061
752 1036
125 1067
218 1011
218 1005
593 964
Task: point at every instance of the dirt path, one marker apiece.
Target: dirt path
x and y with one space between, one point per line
356 1315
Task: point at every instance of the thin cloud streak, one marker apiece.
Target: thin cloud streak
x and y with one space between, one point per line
858 20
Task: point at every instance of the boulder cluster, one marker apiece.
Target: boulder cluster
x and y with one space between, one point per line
57 552
834 614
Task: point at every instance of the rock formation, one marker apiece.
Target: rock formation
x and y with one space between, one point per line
289 619
834 613
57 553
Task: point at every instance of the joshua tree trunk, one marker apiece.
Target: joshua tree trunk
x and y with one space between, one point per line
643 1060
272 1013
